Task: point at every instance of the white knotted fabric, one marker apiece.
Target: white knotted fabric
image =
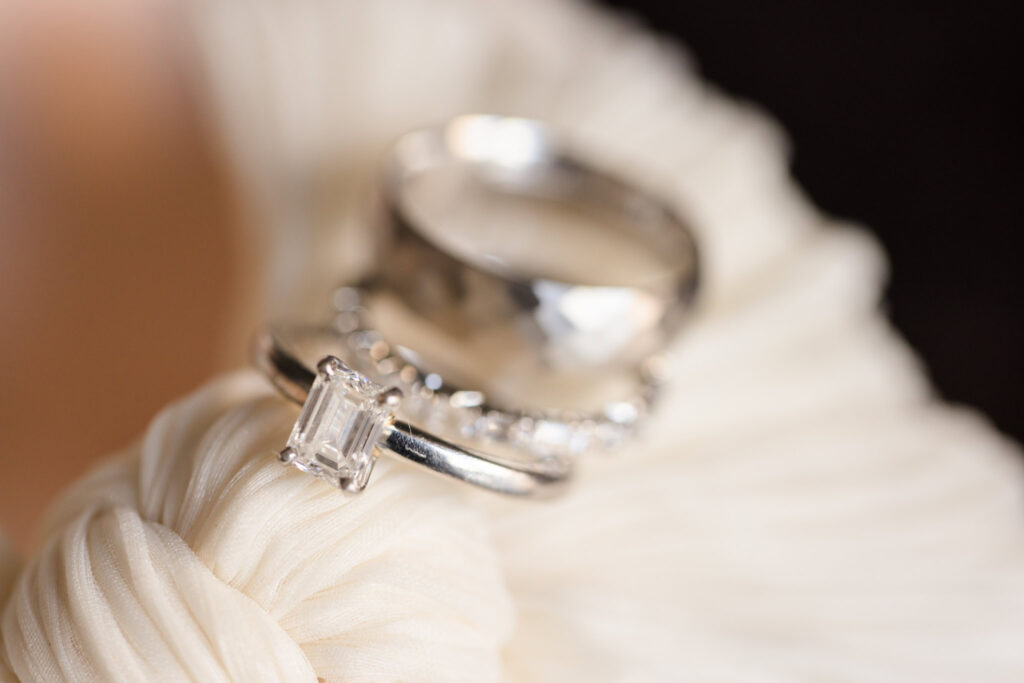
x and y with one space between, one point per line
193 558
801 509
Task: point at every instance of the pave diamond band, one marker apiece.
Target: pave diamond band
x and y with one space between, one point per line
347 420
467 414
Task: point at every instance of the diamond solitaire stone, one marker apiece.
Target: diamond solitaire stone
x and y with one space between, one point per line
340 426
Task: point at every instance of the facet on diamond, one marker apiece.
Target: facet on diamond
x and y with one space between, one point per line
339 427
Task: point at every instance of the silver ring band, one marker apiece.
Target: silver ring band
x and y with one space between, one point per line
469 414
623 300
347 419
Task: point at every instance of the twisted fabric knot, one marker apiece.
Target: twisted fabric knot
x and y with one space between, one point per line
195 556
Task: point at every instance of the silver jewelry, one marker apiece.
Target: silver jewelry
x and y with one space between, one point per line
467 414
592 318
347 420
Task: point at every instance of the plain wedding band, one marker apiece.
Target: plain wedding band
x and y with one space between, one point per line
591 321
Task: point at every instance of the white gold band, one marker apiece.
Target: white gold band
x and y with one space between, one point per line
467 413
611 271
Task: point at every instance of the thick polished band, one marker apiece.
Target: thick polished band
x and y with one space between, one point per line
347 419
594 320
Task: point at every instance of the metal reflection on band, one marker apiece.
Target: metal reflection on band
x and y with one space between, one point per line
587 319
347 420
469 413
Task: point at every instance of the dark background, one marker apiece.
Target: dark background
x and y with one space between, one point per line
900 117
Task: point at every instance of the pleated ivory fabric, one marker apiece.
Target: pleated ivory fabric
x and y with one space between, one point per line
801 509
190 559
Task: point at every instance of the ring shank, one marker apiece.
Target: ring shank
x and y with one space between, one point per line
427 450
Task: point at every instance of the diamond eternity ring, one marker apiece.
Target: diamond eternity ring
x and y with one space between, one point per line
433 400
499 227
347 420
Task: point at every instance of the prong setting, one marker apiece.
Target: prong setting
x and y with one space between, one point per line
330 366
390 397
287 455
351 485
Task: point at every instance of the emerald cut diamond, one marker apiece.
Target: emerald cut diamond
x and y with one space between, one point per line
340 426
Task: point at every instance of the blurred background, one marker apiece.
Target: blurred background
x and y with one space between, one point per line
120 225
903 116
